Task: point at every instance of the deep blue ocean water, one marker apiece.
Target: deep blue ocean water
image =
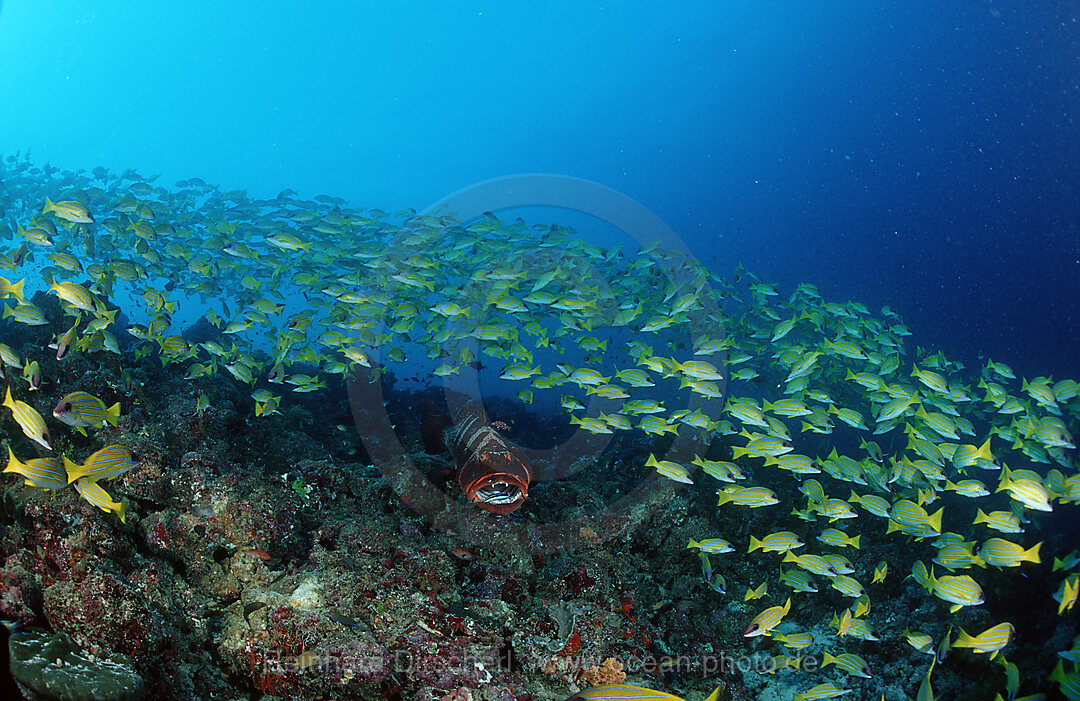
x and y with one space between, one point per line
921 155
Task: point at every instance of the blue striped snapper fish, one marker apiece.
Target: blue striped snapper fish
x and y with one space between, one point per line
29 420
754 497
711 545
837 538
43 473
991 640
959 590
1068 682
68 210
826 690
968 488
107 463
1066 596
756 592
1029 492
833 509
76 295
95 495
715 580
954 556
849 662
626 692
1003 521
83 410
767 620
907 513
798 579
794 463
760 447
1003 553
656 425
812 563
780 541
795 641
26 313
965 455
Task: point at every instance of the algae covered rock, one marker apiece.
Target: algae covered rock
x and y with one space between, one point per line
51 666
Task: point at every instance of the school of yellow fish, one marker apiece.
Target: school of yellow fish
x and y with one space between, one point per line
301 290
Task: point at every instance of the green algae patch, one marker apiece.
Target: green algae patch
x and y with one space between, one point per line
51 666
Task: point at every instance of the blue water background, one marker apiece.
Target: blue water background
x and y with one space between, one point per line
923 155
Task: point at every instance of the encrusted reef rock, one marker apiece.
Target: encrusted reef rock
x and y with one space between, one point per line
51 666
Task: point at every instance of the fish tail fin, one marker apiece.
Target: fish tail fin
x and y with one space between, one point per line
935 520
827 660
73 470
738 452
119 508
715 694
1032 554
790 557
112 414
855 542
980 517
16 288
49 206
13 462
755 544
1004 483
